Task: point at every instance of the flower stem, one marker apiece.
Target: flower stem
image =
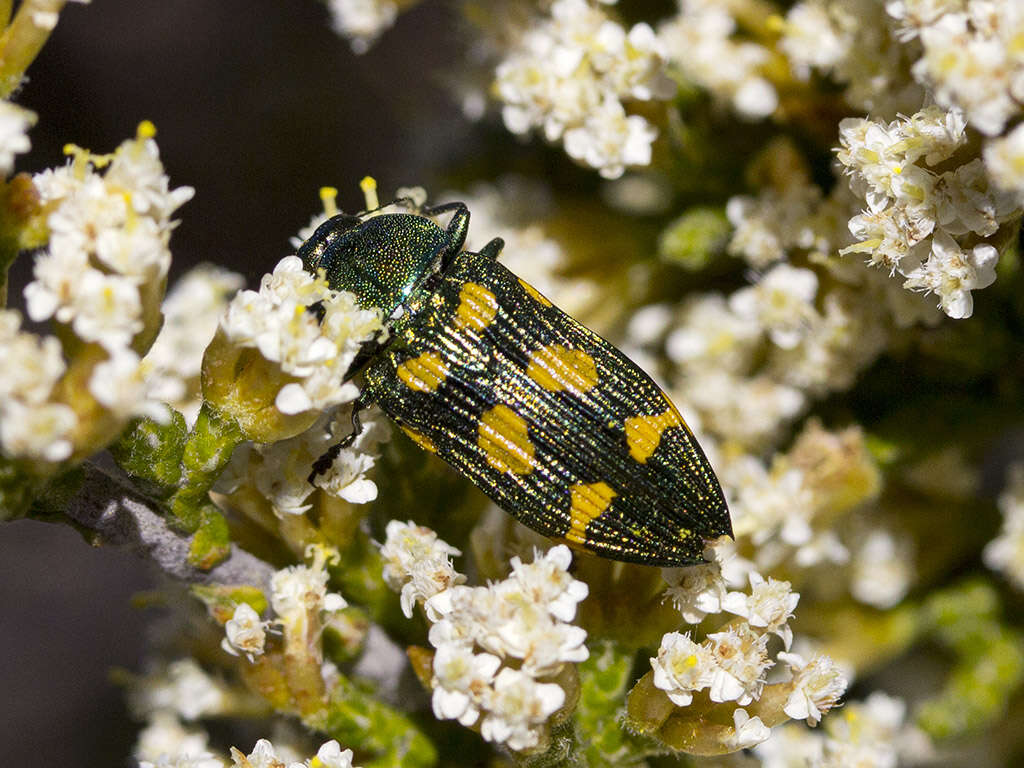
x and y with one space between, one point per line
21 42
207 451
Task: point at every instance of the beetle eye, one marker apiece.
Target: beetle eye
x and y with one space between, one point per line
313 249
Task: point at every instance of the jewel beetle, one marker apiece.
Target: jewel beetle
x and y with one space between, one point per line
552 422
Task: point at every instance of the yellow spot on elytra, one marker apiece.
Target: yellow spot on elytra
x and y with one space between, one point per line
477 307
643 433
534 293
369 187
421 440
587 502
503 438
424 373
557 368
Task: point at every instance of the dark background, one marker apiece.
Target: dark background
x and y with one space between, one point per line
257 105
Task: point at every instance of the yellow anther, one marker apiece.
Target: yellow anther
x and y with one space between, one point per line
329 196
369 187
146 130
131 219
775 23
691 660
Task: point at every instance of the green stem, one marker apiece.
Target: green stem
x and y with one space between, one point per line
207 451
21 42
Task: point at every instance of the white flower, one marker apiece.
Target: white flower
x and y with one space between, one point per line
741 662
711 334
817 687
263 755
972 65
749 409
682 667
40 431
120 384
952 274
427 579
460 681
191 310
404 544
14 124
165 738
770 504
277 321
700 41
32 364
748 730
792 745
120 223
768 607
781 302
1006 552
346 477
1004 161
201 760
245 632
873 732
568 76
516 708
182 687
882 570
546 581
331 755
300 590
609 139
812 39
362 21
695 591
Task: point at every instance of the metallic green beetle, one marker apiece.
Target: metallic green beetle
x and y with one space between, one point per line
551 421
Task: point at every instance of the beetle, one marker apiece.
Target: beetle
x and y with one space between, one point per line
552 422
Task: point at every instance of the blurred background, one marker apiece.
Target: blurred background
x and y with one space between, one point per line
257 105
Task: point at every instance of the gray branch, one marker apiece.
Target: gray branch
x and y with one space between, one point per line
106 504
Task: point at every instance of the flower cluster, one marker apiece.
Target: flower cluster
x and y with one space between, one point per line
871 732
101 279
856 44
496 645
192 310
569 77
265 755
1006 552
418 565
732 663
280 472
298 596
702 41
971 56
14 124
914 214
166 743
281 354
278 321
108 249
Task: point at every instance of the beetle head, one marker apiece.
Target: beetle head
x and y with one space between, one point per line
382 260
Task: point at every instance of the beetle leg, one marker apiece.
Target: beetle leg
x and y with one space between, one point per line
493 248
458 228
322 464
